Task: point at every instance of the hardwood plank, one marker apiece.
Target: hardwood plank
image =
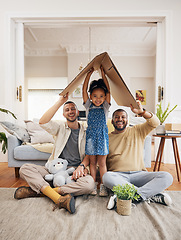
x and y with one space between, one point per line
176 186
8 179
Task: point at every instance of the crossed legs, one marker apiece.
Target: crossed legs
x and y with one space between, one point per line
148 184
34 176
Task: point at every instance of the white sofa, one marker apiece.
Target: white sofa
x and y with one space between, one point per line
19 154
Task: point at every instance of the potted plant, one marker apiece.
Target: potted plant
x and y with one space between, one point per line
3 138
162 115
125 194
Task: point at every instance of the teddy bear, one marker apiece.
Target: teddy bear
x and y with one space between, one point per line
59 172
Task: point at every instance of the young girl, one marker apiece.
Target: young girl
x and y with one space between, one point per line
97 141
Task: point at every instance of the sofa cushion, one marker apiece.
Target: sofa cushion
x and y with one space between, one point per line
38 134
26 152
20 132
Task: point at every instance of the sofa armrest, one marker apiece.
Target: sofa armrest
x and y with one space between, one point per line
13 142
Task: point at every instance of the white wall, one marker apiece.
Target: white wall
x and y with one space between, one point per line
96 8
45 66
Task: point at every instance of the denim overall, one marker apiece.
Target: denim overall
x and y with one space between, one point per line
97 140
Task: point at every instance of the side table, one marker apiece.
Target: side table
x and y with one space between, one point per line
175 150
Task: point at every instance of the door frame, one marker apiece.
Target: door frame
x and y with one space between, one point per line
163 53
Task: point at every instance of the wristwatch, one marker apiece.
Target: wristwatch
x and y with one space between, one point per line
141 114
82 165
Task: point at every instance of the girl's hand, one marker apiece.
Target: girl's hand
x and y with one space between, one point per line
89 73
102 69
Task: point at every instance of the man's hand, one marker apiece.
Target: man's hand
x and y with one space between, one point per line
47 116
140 111
64 98
79 172
137 110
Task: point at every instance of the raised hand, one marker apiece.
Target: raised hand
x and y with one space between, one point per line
90 71
137 110
64 98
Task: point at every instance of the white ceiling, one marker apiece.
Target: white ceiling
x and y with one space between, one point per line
116 40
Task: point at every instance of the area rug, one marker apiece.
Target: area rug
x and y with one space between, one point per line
34 219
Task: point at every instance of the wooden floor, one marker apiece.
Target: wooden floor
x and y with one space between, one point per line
8 179
176 186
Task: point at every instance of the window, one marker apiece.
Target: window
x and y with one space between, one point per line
40 100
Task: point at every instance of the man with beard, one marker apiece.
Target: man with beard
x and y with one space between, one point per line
125 159
69 145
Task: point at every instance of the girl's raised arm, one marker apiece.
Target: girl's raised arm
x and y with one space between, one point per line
108 95
85 85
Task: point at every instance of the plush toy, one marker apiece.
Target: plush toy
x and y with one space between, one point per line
58 172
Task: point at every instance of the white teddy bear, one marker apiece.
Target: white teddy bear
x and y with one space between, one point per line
58 172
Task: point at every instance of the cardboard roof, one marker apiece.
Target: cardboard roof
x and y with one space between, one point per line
118 88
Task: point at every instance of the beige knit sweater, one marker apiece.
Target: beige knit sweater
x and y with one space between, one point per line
126 149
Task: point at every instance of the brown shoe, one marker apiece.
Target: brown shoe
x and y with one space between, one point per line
67 202
25 192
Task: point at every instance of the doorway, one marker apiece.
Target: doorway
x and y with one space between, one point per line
20 22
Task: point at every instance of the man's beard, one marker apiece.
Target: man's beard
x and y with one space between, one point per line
121 128
72 120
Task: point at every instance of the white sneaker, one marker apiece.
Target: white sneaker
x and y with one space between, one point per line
112 202
162 198
103 191
94 192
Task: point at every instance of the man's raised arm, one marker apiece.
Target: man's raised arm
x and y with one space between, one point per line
141 111
47 116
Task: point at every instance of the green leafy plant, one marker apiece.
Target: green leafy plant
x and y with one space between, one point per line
126 192
163 114
3 138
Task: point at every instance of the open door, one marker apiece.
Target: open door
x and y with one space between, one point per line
19 71
15 98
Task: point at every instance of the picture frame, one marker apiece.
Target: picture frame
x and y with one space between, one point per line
77 93
141 96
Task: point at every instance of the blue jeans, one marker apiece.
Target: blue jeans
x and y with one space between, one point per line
147 184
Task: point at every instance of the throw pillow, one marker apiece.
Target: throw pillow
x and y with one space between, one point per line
16 130
38 134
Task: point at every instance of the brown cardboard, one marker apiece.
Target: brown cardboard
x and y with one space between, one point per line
119 90
173 126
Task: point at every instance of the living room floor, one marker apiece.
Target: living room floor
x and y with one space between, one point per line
8 179
176 186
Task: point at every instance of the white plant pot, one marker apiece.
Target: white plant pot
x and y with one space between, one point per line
160 129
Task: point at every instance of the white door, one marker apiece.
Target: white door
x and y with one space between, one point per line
160 65
15 71
19 71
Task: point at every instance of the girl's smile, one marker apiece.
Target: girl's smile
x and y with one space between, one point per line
98 96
